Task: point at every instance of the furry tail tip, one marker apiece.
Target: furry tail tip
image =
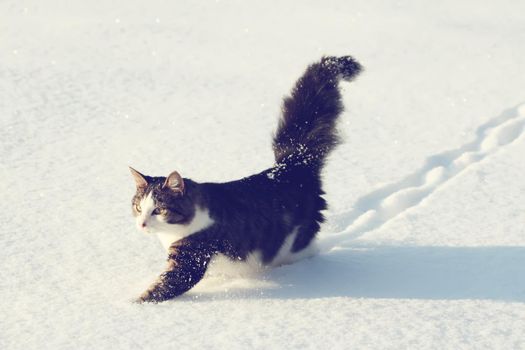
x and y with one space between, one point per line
345 67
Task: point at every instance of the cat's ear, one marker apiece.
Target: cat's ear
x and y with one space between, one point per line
140 180
175 183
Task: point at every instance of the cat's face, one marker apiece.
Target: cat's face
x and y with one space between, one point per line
160 203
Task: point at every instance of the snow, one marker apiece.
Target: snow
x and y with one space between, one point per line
424 246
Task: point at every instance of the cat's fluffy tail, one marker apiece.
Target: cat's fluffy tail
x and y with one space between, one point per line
306 131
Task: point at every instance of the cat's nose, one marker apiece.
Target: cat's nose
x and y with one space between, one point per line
143 224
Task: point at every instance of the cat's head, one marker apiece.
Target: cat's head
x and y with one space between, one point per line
161 204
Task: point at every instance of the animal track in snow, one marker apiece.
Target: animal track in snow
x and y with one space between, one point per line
378 207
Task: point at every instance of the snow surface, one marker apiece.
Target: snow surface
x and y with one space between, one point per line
425 242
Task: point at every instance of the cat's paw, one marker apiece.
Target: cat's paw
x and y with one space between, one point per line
143 298
148 297
138 300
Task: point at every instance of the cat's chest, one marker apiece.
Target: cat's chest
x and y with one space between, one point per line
172 233
167 238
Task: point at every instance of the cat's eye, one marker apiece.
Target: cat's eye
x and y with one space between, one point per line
159 211
137 208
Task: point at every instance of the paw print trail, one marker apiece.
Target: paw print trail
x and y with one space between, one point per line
384 204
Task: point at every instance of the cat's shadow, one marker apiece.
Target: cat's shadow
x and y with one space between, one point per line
496 273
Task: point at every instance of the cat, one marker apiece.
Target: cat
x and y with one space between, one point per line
273 214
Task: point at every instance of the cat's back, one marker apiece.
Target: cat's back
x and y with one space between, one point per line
271 184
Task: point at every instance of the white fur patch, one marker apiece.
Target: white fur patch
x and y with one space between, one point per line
147 205
170 233
221 265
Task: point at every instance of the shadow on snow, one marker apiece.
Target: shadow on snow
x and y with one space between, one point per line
496 273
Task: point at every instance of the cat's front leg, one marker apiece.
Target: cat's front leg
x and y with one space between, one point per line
187 262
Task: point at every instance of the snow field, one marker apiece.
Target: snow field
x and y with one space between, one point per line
423 247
